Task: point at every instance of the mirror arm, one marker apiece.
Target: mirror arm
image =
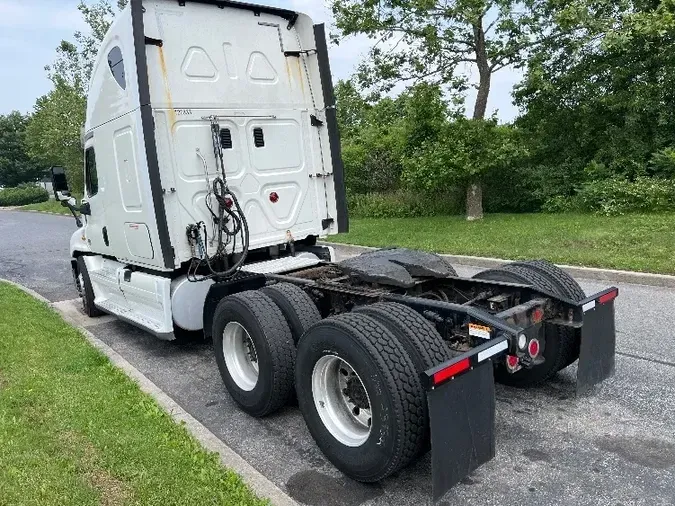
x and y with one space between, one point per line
73 209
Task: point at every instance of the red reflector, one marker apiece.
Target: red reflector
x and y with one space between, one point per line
229 203
533 348
512 361
537 315
608 297
274 197
450 371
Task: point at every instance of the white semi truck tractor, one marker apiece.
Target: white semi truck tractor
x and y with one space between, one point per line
212 167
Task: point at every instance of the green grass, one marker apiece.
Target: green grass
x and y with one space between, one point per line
634 242
76 430
51 206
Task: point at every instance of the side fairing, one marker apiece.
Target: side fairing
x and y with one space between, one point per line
127 221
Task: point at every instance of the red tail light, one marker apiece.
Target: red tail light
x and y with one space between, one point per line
608 297
537 315
512 362
450 371
533 348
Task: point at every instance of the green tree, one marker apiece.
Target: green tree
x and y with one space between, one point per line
378 136
53 133
56 126
75 60
599 100
434 40
460 152
351 108
16 166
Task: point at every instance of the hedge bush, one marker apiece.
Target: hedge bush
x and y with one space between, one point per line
613 197
405 204
23 195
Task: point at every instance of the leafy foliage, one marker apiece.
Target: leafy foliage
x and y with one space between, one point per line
55 129
600 101
405 204
612 197
75 60
435 41
15 165
23 195
53 134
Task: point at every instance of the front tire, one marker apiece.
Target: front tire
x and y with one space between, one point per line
360 396
254 352
86 289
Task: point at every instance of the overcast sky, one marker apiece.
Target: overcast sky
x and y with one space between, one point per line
30 30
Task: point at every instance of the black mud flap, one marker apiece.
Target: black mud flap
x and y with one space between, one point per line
598 341
462 417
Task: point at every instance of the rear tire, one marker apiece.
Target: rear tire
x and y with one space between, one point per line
254 352
384 384
419 337
558 347
567 287
86 289
566 284
297 307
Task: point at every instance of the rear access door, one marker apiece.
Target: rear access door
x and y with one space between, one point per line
255 73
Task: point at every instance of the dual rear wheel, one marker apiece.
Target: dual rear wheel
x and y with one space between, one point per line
561 344
356 375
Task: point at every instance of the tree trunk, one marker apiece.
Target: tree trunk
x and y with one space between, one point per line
484 71
483 93
474 201
474 192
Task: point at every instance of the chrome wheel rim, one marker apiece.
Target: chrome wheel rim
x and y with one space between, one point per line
241 357
341 400
79 283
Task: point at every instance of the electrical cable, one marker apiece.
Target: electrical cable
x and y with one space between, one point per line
229 222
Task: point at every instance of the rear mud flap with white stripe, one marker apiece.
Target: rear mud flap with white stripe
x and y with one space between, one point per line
462 417
598 347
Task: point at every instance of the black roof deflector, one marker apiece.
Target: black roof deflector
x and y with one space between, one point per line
290 16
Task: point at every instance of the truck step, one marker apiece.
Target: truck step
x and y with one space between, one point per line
129 315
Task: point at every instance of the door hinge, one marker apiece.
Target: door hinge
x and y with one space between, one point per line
315 121
153 42
292 20
327 223
321 174
297 54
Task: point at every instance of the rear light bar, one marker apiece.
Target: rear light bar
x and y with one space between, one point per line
465 362
609 296
603 298
451 371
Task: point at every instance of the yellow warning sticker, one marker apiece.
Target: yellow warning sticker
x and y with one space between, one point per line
480 331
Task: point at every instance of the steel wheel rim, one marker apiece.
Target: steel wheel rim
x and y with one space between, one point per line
241 357
340 402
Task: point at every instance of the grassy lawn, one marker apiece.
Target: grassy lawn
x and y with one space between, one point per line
75 430
51 206
634 242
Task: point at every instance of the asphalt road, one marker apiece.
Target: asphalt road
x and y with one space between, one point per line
616 447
